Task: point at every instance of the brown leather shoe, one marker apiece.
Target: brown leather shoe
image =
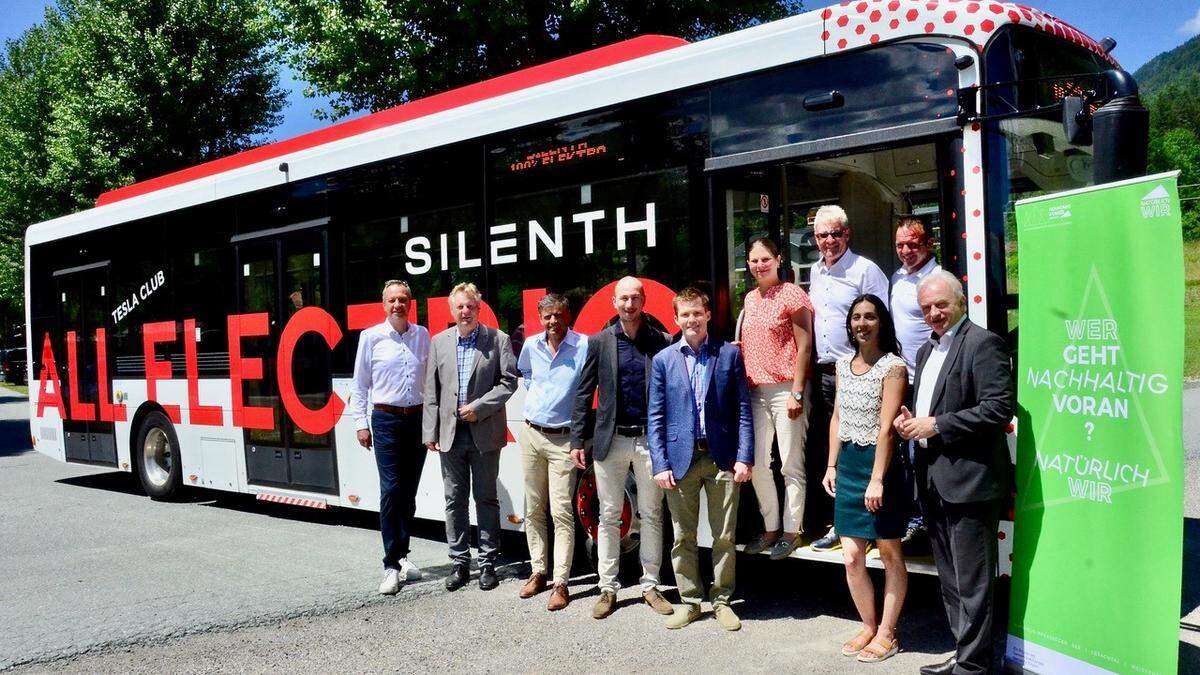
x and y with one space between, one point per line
560 597
535 585
657 602
605 605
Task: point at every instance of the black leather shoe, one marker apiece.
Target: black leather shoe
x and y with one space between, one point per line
944 668
457 578
487 578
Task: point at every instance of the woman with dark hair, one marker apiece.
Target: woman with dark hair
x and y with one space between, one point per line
863 477
776 340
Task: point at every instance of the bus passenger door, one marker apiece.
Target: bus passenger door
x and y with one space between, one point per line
83 294
281 275
747 206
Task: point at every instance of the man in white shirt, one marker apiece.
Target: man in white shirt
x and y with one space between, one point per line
914 248
389 369
836 279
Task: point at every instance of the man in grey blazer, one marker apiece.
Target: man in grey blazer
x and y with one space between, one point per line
470 375
963 404
618 365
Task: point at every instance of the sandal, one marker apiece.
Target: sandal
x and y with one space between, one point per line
857 643
880 649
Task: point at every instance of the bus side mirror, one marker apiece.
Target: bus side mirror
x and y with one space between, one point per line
1120 131
1077 123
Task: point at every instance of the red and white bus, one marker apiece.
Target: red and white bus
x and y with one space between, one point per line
198 329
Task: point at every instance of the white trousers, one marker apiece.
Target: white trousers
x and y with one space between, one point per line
628 452
768 404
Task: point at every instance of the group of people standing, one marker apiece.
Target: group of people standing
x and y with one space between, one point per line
913 397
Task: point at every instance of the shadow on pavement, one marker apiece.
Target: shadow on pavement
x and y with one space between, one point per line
14 437
1191 567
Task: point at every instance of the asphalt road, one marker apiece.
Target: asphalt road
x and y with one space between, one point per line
99 578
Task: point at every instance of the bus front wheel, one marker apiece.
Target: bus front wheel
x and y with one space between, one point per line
156 456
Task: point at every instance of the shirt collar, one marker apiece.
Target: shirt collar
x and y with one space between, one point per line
469 338
843 262
571 338
705 346
920 271
392 329
949 333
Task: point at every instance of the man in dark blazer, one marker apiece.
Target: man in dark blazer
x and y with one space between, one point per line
470 375
618 367
963 404
701 438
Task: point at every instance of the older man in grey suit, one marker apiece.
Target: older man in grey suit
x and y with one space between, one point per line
471 374
963 404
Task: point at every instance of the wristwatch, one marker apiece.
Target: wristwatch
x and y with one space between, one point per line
798 395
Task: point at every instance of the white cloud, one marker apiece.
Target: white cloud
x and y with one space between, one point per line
1192 25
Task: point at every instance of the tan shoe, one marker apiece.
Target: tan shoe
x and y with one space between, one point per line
726 617
684 617
657 602
605 605
535 585
560 597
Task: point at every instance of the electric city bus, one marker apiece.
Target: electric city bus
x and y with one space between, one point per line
198 329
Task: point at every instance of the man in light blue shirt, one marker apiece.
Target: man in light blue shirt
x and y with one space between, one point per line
551 363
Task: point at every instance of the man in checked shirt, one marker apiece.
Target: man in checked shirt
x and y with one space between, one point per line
389 369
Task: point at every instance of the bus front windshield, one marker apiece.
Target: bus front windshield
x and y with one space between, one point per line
1029 155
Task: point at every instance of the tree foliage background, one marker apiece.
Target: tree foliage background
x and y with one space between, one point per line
107 92
1170 88
374 54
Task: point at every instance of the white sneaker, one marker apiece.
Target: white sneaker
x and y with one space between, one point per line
409 571
391 582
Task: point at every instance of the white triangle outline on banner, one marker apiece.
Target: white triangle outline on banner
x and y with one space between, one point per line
1163 477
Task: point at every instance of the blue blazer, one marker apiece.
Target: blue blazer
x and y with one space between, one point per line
671 413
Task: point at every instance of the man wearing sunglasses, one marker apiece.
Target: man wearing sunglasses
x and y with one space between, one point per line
836 279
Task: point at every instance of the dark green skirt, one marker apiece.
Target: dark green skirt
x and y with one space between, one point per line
850 515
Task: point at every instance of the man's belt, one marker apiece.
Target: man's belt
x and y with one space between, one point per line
398 410
549 431
827 368
632 430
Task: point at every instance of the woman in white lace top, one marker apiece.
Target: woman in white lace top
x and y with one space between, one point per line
863 475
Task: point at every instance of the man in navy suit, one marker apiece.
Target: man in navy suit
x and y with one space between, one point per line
701 436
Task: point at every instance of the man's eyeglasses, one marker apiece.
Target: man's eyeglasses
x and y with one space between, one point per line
836 234
905 244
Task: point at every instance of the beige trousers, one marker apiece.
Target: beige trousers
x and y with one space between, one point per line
625 454
684 502
549 479
768 405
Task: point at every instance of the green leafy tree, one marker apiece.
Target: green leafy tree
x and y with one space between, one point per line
374 54
1175 144
107 92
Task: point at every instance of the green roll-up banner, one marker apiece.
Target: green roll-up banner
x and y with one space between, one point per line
1098 526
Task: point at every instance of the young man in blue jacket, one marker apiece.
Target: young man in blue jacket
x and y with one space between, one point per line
701 436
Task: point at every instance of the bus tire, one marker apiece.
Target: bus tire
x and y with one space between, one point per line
156 456
587 513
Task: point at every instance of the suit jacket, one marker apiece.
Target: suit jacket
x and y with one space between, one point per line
600 370
493 381
671 416
973 401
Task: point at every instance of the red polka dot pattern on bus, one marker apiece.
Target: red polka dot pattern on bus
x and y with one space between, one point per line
857 24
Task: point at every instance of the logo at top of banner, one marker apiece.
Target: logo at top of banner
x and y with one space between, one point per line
1156 203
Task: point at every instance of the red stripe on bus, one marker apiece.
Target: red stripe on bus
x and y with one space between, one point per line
594 59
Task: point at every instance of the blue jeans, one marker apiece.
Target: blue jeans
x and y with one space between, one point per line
400 457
